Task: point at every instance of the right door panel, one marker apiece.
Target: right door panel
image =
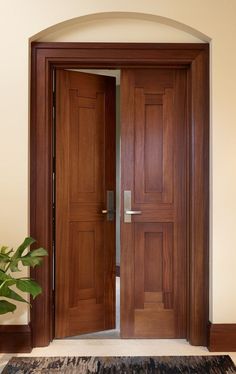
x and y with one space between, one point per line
154 169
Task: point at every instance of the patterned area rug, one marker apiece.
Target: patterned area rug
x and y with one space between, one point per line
124 365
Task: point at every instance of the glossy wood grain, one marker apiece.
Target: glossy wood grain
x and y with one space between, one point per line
222 337
15 338
194 58
85 170
154 169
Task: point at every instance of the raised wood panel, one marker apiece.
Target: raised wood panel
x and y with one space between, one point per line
168 146
153 264
89 317
88 126
86 154
153 145
153 260
168 266
153 178
86 271
86 267
153 275
153 297
150 323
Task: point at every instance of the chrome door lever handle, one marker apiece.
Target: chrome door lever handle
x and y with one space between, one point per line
105 211
128 212
133 212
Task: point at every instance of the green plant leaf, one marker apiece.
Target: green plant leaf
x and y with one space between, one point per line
14 265
7 279
26 243
40 252
30 286
6 307
3 249
17 255
4 257
9 261
3 276
10 294
31 261
5 252
34 258
4 260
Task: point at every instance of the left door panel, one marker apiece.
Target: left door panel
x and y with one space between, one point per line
85 177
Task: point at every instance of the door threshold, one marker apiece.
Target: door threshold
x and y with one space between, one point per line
107 334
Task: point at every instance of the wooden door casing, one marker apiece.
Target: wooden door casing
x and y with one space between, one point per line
45 58
154 169
85 170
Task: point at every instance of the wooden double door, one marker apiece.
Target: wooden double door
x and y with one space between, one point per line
154 209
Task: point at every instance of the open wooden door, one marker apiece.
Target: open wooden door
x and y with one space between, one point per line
154 209
85 199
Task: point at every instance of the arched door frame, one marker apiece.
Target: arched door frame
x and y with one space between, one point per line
193 57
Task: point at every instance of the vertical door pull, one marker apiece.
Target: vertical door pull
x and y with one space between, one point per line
128 212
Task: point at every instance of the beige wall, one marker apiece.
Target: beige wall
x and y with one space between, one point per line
109 20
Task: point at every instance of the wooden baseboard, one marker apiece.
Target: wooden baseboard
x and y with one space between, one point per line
15 339
222 337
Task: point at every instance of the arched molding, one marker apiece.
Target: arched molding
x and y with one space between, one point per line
97 17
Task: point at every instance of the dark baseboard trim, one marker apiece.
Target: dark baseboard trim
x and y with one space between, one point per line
222 337
15 339
117 270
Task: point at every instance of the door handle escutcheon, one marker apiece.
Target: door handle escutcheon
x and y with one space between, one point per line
110 211
128 212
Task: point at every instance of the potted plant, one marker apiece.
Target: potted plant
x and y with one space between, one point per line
9 283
